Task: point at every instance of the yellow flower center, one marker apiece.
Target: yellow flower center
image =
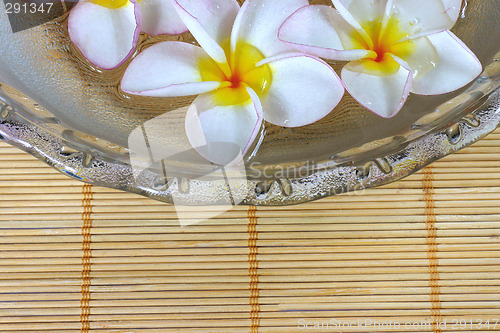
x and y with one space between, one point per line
238 73
384 39
111 4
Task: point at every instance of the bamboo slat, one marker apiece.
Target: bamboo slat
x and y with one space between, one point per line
423 253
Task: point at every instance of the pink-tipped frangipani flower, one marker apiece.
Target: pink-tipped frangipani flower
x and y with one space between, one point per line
106 31
394 47
241 71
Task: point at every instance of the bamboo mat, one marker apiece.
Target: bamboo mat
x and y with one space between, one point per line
419 255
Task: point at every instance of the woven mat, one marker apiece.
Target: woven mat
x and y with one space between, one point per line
419 255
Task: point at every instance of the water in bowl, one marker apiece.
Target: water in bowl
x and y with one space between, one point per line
43 64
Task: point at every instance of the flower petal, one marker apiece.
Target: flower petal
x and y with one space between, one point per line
365 11
222 133
452 8
258 22
383 95
340 6
422 16
167 69
321 31
160 18
106 37
304 89
210 22
456 65
420 55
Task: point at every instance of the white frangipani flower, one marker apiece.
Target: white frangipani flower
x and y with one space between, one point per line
107 31
394 47
241 72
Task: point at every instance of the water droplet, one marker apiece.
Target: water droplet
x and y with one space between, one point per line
363 172
286 186
263 188
472 120
67 151
483 79
5 111
183 185
454 134
87 160
384 165
414 22
159 183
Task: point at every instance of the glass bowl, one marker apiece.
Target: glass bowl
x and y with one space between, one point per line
72 116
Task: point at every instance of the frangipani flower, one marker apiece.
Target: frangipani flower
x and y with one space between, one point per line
394 47
242 74
107 31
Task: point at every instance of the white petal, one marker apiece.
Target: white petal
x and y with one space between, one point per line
365 11
106 37
167 69
422 58
455 66
210 22
321 31
422 16
452 8
383 95
343 10
160 17
304 89
222 133
259 20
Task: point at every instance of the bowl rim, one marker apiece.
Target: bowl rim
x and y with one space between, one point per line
437 134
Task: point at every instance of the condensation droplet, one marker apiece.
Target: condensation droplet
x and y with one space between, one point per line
472 120
87 160
483 79
286 186
384 165
183 185
454 134
5 111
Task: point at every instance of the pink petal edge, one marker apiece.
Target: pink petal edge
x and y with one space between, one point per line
258 109
137 33
468 50
406 91
260 117
321 52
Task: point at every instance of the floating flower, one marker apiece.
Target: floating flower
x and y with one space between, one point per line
107 31
242 74
394 47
